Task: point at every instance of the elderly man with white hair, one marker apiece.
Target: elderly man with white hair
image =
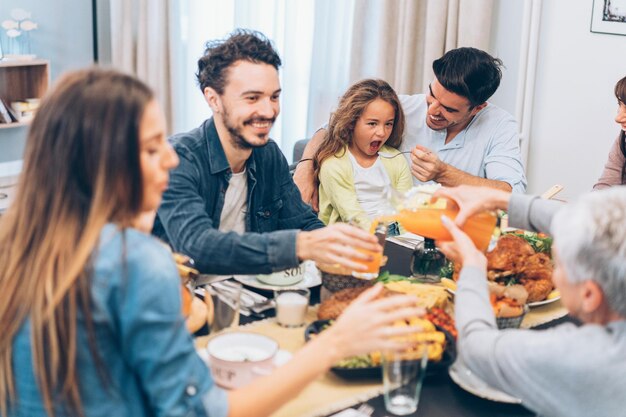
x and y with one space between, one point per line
567 370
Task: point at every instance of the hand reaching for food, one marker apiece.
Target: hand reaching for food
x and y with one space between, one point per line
351 335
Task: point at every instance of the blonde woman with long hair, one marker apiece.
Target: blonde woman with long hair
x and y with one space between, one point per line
90 310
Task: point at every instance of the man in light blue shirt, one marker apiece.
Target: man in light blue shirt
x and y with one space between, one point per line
454 135
488 148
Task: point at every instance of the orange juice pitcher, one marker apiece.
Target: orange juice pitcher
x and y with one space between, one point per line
418 213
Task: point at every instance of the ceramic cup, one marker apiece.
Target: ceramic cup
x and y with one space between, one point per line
236 358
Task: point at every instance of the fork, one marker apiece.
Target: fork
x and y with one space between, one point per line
389 156
365 409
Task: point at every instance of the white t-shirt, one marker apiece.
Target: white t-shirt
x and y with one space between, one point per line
233 217
370 184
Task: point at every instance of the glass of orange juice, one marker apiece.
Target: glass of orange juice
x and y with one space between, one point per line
379 228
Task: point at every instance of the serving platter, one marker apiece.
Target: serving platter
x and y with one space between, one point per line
553 296
375 372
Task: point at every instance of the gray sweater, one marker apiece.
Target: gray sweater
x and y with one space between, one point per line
566 371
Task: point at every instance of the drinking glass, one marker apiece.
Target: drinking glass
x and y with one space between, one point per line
402 381
379 228
223 305
291 306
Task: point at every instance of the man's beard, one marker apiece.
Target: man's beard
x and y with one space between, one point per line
238 140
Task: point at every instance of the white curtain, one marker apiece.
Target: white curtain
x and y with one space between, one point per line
141 44
396 40
289 24
325 46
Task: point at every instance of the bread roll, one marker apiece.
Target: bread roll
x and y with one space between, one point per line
197 316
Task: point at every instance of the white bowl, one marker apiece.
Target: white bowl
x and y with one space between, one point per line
236 358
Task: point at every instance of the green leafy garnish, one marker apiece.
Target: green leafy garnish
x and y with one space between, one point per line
447 270
541 243
363 361
386 277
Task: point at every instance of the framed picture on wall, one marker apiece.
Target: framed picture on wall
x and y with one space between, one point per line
609 16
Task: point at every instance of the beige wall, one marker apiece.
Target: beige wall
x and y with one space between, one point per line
573 109
573 126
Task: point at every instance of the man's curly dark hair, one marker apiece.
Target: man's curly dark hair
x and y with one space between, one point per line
240 45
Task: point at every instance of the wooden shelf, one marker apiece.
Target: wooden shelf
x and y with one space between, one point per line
22 62
13 125
21 80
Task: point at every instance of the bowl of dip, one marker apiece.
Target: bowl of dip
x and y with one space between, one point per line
236 358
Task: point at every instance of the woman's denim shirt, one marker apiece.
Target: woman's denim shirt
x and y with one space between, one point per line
189 216
148 358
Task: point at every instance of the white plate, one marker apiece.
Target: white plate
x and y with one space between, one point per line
467 380
535 304
312 278
288 277
544 302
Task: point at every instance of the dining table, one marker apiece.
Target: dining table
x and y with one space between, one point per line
330 394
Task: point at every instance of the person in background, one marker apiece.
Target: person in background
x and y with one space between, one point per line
453 136
357 163
90 312
567 370
615 169
231 204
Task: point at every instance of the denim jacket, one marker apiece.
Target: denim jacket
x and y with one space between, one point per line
190 212
148 357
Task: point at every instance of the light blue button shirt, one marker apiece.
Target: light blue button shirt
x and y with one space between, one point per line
488 147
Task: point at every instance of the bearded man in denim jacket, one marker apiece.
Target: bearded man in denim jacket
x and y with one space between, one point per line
231 204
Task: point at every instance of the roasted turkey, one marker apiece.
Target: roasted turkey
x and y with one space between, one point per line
514 260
